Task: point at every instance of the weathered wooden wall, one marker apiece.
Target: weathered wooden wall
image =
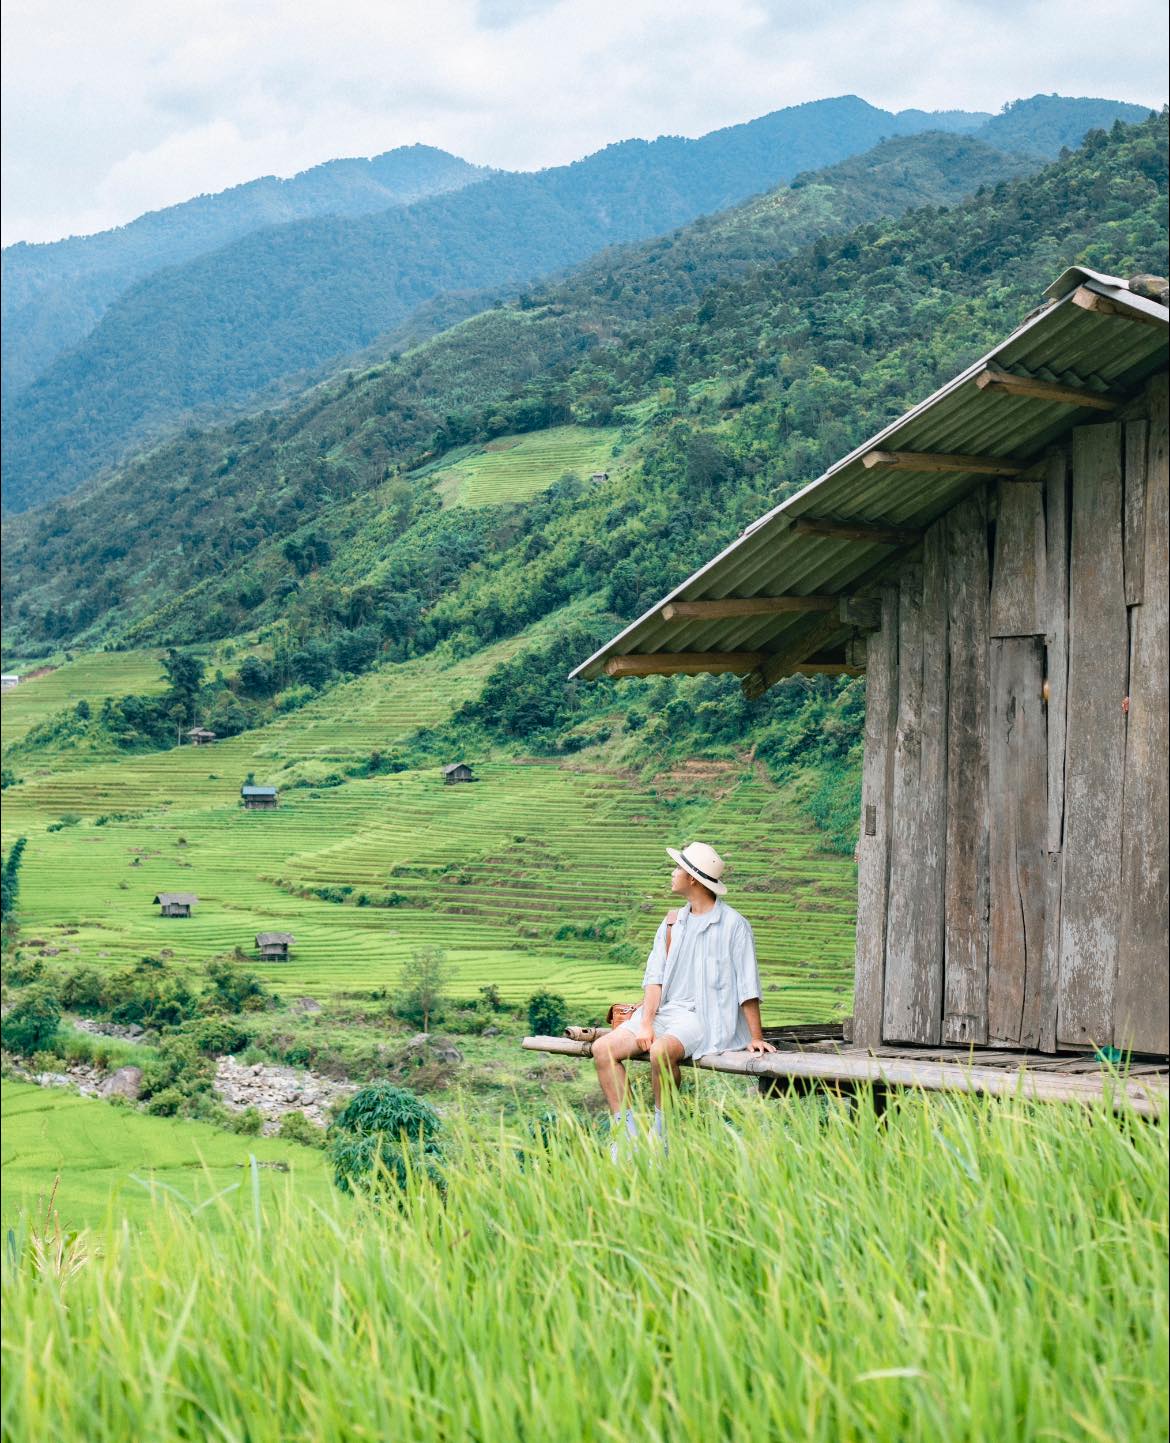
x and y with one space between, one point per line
1013 868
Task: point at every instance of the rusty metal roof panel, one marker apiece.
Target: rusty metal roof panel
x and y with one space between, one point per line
1061 341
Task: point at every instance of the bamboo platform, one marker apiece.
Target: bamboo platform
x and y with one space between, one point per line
815 1055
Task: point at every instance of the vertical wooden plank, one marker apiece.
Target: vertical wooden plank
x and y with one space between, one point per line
1050 963
1098 665
914 926
1018 577
881 703
1018 830
965 990
1056 549
1136 444
1142 997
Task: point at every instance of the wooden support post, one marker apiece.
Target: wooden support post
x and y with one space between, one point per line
869 531
734 606
1097 676
1141 1014
965 1004
684 663
942 462
996 381
881 709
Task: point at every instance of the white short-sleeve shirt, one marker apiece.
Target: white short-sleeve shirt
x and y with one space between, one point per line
711 972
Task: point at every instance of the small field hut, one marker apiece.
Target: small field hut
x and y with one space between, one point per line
176 904
995 564
457 772
9 680
273 946
200 736
258 799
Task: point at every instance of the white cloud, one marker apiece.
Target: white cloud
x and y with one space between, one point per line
113 107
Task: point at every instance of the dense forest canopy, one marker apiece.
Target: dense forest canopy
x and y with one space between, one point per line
211 335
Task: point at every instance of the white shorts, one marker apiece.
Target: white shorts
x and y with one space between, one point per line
673 1021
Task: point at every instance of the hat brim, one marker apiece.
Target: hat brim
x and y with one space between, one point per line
709 882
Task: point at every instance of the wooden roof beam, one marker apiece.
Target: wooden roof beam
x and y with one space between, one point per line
942 461
779 664
684 663
1090 301
997 381
856 531
733 606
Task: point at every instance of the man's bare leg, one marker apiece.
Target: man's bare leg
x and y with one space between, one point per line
665 1056
608 1054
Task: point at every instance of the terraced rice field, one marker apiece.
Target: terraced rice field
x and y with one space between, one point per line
99 674
489 871
516 468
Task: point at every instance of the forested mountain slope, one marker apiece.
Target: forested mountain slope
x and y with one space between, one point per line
726 401
54 294
211 334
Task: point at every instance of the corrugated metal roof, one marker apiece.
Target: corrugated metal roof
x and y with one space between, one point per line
1062 341
167 899
257 791
274 939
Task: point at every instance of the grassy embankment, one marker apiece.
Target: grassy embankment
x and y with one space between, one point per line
116 1163
491 872
958 1269
517 468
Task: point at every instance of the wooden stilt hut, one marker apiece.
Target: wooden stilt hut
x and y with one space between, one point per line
995 563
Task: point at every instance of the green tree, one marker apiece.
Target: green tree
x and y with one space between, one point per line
422 985
10 880
31 1026
183 673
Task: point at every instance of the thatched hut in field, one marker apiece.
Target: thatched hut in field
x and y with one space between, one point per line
995 564
200 737
258 799
274 946
457 772
176 904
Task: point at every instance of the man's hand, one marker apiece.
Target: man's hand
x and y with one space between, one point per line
645 1036
759 1045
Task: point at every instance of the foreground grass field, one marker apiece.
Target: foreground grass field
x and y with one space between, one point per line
957 1270
115 1163
491 872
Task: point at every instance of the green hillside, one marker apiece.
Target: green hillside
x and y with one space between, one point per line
55 293
517 468
273 306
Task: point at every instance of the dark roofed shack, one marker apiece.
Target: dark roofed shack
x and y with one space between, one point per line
258 798
176 904
273 946
457 772
200 736
995 563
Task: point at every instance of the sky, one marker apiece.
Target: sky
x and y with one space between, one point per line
115 107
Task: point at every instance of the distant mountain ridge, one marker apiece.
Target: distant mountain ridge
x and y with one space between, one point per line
207 337
54 293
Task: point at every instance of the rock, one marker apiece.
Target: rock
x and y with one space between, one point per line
490 1032
1153 288
53 1079
126 1082
445 1050
306 1004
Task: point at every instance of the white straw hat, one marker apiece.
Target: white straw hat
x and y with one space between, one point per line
703 863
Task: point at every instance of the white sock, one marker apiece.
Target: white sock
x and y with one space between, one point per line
631 1123
659 1123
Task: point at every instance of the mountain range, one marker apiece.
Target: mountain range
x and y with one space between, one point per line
225 326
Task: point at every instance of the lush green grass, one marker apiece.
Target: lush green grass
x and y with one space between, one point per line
117 1163
85 678
959 1270
516 468
491 872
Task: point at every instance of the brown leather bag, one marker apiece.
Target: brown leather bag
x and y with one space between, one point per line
620 1012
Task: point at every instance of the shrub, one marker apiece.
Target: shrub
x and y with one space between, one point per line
214 1036
382 1135
151 994
234 990
177 1079
490 999
248 1123
296 1127
33 1022
547 1014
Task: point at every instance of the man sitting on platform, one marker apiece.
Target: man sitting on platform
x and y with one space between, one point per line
701 989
